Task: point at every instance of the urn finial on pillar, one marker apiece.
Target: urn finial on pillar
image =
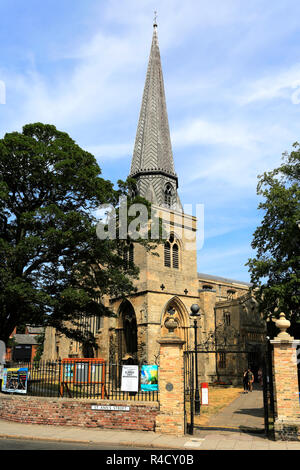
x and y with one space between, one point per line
283 324
171 323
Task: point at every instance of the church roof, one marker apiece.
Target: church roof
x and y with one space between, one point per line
209 277
153 151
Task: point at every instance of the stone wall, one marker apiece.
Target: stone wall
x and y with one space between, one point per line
71 412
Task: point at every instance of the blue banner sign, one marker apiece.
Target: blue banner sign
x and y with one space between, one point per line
149 378
15 380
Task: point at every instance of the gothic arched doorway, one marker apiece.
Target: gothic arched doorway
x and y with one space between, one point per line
178 311
127 333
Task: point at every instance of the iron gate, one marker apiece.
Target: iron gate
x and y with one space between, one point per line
190 387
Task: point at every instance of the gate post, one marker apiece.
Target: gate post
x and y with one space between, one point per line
170 419
287 421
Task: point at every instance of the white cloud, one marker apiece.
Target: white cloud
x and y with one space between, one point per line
278 84
221 225
111 151
100 81
229 155
198 131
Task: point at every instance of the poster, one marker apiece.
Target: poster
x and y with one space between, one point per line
149 378
15 380
68 372
130 379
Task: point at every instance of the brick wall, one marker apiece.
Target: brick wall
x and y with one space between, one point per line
171 387
287 421
286 379
70 412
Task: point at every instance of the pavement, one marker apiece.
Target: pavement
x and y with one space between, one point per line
238 427
245 412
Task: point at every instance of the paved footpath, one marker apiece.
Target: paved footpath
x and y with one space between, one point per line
207 441
238 427
245 413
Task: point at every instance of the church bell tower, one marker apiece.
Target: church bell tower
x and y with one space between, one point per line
167 282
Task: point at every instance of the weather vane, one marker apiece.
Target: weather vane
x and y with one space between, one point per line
155 18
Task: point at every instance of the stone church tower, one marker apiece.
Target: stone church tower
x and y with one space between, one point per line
168 283
170 280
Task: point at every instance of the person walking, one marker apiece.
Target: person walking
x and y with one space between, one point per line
260 376
245 381
250 378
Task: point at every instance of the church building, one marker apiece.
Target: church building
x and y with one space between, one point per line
168 283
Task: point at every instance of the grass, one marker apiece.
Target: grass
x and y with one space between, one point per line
218 397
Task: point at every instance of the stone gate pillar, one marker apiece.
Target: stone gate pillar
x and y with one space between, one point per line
170 419
287 421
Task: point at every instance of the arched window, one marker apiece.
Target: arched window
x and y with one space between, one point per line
127 333
131 255
128 256
226 318
134 192
168 195
175 252
167 255
171 252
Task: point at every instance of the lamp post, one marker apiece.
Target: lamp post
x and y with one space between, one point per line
195 314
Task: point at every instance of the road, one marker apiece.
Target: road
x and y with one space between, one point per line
20 444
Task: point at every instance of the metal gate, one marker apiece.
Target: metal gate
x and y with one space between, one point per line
268 391
191 386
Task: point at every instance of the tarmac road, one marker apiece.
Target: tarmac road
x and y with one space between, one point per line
26 444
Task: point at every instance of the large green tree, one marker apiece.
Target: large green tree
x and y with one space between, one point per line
53 268
275 271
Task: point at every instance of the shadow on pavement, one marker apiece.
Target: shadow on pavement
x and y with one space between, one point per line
257 412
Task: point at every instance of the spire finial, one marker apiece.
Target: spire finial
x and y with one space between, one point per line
155 19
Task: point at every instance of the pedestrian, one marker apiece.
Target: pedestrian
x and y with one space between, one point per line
260 376
250 378
245 381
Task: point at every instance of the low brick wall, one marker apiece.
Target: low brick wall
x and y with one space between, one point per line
78 412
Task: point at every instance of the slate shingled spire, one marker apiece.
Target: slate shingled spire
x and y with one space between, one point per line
152 163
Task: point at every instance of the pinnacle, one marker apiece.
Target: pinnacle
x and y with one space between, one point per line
153 150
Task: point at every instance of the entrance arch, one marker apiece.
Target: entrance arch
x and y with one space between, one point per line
180 315
127 333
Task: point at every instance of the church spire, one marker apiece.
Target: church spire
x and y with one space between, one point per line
152 163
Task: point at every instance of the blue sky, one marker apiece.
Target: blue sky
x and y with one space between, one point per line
232 80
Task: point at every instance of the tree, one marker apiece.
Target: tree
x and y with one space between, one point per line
53 268
275 271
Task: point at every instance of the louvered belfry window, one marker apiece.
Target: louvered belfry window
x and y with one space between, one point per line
175 253
128 256
167 255
171 253
131 255
168 195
